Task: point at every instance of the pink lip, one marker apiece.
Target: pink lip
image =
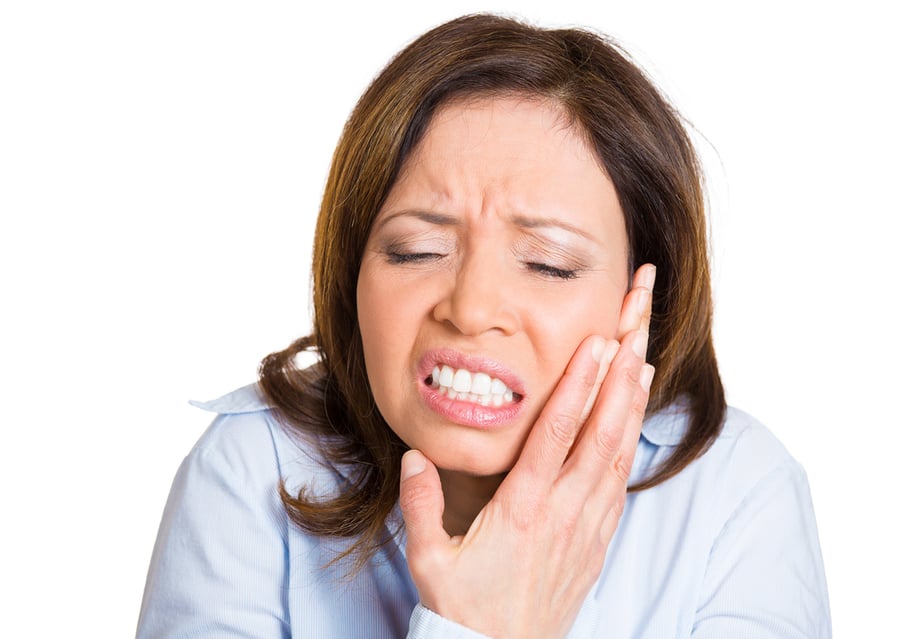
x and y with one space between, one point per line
466 413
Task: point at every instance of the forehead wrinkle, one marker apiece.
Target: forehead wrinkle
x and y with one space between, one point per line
443 183
441 173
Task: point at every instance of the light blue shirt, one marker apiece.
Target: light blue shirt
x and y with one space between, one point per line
727 548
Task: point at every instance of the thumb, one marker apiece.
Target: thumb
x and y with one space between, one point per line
422 504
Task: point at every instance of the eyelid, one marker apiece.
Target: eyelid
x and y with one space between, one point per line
420 247
417 242
554 272
549 258
395 257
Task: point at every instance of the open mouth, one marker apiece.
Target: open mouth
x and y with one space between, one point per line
476 387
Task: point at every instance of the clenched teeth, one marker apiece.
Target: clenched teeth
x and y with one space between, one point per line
463 385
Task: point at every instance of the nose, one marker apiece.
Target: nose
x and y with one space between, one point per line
480 297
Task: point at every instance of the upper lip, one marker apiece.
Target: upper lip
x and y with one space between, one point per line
473 363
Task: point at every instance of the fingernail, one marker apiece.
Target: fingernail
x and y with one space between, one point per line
651 276
643 299
412 463
647 373
597 348
612 347
639 344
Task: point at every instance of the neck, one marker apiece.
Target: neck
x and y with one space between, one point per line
464 497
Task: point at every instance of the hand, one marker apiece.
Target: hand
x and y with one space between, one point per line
530 557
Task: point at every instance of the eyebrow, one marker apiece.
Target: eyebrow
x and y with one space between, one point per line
529 222
522 221
430 217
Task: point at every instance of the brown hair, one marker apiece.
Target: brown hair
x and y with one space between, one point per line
647 154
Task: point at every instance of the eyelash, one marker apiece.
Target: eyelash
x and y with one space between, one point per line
395 257
552 271
410 258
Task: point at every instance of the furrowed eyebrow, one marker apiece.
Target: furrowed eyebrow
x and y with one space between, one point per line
529 222
438 219
522 221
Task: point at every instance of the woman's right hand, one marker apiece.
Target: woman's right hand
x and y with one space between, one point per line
529 559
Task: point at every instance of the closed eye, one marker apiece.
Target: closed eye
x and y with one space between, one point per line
552 271
395 257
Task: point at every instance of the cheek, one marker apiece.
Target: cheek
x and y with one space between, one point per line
389 319
372 316
592 312
560 328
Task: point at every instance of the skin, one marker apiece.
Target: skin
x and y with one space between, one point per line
489 249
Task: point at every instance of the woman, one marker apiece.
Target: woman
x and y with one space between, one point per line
502 203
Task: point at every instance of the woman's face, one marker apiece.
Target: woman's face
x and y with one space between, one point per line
499 249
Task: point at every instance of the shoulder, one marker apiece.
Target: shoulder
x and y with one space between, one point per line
248 437
744 445
224 531
745 459
736 517
747 453
242 428
749 447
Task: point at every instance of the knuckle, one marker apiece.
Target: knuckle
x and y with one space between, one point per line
566 527
631 378
524 515
561 429
621 466
413 496
606 441
637 409
422 559
566 517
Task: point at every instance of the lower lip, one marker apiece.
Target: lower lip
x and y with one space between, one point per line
467 413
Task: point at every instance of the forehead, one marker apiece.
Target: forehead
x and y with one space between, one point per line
521 155
502 127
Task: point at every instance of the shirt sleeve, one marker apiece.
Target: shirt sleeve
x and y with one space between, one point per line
765 577
425 624
219 564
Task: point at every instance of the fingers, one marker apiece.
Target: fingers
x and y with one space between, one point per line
609 437
611 496
556 429
636 306
621 463
422 504
610 347
644 276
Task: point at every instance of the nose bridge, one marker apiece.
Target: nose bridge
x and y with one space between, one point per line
480 299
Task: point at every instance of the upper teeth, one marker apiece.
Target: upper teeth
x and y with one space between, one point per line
478 387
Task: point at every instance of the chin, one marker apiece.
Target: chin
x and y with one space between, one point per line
475 462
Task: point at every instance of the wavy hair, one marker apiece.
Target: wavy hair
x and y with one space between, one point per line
644 148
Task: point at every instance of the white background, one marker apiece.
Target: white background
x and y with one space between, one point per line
160 169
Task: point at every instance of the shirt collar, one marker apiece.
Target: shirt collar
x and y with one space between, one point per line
667 426
247 399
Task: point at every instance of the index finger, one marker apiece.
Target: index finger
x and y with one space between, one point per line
554 432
